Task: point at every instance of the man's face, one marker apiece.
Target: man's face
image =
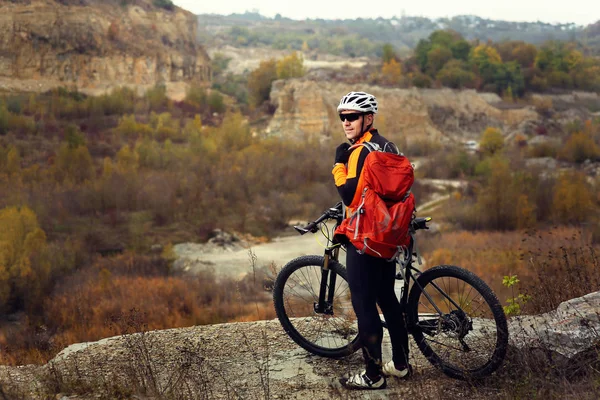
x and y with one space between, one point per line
353 129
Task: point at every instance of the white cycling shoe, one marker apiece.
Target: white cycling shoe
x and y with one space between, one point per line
389 369
361 381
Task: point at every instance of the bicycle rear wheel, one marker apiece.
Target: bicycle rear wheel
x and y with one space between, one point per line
331 332
457 322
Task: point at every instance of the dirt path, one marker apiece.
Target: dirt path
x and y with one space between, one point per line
235 260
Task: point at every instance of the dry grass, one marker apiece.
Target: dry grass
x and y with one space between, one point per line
82 306
532 255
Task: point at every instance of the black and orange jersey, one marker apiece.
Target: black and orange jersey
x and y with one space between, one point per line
347 176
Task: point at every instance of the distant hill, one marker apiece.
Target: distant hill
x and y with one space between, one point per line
363 37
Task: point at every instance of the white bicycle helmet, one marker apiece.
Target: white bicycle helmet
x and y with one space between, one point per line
358 101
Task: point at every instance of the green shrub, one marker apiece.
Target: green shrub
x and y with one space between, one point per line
196 95
21 123
455 75
148 151
129 127
74 164
157 98
14 105
422 80
544 149
215 102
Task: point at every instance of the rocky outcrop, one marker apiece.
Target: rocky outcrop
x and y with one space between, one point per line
259 360
95 44
254 360
308 108
566 334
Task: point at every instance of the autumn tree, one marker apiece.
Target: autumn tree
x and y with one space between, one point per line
157 97
579 147
149 154
444 38
73 137
508 78
4 118
13 161
291 66
460 50
234 133
421 50
524 54
73 161
572 199
486 59
129 127
437 57
455 74
388 53
525 214
587 75
439 48
20 240
491 141
391 72
127 160
260 80
495 199
196 95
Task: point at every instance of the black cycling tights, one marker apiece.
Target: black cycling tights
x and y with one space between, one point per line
371 281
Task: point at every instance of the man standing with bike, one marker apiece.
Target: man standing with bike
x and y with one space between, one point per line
371 279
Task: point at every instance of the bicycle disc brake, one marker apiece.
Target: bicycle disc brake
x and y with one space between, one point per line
459 325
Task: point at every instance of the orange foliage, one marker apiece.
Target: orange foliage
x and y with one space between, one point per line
492 255
89 305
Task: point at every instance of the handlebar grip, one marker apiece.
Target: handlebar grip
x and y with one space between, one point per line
312 227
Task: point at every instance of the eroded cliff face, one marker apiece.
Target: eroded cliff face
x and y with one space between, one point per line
98 44
308 108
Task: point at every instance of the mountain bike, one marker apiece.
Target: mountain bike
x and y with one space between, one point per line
454 317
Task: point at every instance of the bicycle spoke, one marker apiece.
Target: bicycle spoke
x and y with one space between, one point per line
462 338
332 330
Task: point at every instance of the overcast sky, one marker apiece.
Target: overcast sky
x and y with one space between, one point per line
581 12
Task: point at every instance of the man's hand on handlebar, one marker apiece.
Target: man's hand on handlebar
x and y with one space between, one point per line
334 212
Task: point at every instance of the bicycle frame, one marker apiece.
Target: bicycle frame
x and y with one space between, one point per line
406 273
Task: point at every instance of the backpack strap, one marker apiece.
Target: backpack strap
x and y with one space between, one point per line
389 147
370 146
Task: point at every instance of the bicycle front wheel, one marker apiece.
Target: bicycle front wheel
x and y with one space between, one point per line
327 328
457 322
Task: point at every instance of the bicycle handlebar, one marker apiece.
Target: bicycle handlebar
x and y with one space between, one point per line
331 213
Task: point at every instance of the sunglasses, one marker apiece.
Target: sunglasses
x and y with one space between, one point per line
350 117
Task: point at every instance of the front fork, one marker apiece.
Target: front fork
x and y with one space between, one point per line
328 278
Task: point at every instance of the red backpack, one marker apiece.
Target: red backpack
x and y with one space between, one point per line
379 224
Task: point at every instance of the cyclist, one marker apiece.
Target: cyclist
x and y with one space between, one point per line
371 279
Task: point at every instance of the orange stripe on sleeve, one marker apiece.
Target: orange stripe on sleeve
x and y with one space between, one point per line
339 174
353 163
